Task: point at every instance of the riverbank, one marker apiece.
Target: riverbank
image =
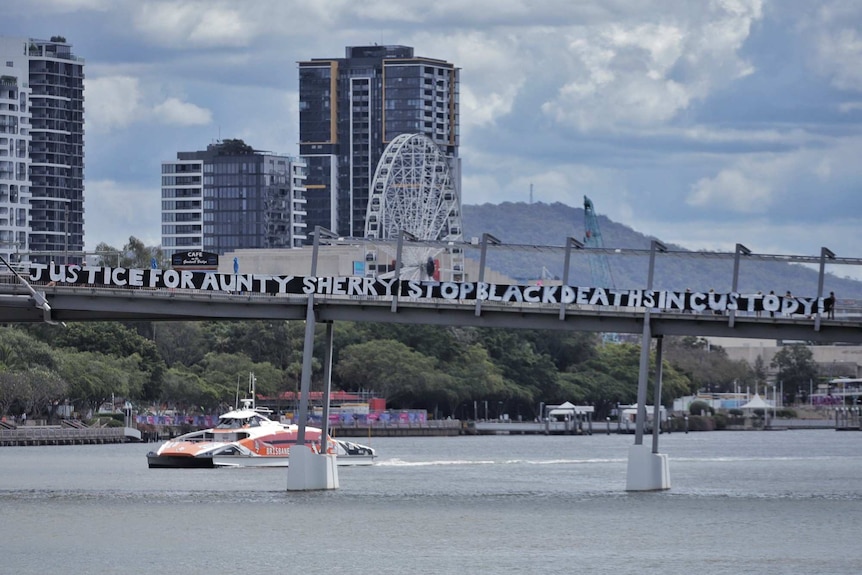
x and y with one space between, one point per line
63 435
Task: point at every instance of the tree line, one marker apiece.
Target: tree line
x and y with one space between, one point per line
195 366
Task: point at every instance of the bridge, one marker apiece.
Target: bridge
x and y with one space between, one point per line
68 293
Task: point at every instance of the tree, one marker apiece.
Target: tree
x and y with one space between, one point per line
476 377
224 373
94 378
532 373
234 147
796 366
23 349
11 390
759 373
8 357
117 340
705 364
611 378
186 390
43 391
406 378
180 343
132 255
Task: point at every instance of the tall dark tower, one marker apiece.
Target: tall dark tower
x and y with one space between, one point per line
351 108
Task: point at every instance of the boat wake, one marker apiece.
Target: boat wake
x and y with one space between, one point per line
402 463
463 462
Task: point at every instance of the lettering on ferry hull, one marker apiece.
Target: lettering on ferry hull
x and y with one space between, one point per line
361 287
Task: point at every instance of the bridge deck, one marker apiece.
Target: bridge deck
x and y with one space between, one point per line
69 304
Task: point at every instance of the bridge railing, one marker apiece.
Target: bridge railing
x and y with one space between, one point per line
476 259
846 309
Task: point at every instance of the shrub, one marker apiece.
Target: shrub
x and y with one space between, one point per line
700 407
735 412
720 420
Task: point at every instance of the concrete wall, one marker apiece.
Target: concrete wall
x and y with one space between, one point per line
333 261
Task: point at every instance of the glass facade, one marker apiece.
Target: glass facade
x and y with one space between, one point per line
57 148
224 199
380 93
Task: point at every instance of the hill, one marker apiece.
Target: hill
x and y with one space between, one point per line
541 224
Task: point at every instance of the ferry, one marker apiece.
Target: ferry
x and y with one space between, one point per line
247 437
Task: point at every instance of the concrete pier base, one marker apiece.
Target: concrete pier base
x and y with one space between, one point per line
647 471
309 471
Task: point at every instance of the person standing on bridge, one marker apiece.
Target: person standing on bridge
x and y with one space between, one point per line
829 305
788 295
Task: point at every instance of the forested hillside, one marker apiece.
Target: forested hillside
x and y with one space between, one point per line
550 224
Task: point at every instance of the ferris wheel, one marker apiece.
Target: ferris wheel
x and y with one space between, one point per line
413 190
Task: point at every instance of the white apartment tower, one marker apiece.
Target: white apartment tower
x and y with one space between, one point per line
41 150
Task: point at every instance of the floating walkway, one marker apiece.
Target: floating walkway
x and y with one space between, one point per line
434 428
531 427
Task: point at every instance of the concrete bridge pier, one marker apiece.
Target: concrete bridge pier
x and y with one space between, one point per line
310 471
647 468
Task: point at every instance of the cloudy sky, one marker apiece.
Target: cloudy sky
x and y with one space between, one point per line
701 122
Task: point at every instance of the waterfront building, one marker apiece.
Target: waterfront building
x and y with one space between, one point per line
41 150
230 197
351 108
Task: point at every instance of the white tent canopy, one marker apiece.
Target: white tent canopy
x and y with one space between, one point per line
568 408
756 402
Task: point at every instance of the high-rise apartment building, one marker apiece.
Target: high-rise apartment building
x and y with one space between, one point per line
230 197
41 149
351 108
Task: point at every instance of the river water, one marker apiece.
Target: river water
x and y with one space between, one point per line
766 502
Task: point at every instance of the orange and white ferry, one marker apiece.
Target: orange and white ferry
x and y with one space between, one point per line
247 437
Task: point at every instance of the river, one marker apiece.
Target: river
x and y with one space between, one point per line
765 502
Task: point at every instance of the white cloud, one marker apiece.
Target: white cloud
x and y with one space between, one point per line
117 102
117 210
840 53
640 74
112 102
202 24
760 182
732 189
278 130
174 111
847 107
66 6
497 73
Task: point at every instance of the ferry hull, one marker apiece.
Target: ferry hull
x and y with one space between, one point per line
270 461
156 461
